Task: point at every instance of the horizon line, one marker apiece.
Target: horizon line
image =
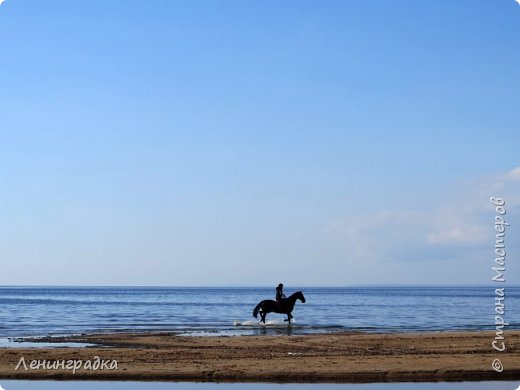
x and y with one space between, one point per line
367 285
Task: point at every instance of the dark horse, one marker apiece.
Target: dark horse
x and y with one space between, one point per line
285 306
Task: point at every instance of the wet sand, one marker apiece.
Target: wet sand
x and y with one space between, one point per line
336 357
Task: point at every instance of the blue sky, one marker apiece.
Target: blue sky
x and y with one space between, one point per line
247 143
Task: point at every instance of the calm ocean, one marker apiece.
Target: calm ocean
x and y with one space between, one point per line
40 311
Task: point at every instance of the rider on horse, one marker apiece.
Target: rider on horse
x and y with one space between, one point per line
279 293
282 305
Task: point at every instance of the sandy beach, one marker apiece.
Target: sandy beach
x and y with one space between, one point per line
337 357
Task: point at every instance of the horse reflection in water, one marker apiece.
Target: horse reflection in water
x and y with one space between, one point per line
285 306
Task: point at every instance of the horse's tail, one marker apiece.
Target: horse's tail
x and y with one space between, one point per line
257 308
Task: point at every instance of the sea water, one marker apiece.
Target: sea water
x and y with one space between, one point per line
41 311
53 385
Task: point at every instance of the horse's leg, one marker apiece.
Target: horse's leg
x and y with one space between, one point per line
263 317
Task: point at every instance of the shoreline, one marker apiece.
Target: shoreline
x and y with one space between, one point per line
332 357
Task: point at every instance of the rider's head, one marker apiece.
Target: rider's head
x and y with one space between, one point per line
280 286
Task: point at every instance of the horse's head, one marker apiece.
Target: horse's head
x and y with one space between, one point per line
300 296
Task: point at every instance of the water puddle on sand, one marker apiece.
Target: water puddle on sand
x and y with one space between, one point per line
20 343
84 385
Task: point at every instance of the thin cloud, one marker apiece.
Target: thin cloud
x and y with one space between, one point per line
515 173
502 180
455 227
458 235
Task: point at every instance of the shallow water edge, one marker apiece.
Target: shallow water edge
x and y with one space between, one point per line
83 385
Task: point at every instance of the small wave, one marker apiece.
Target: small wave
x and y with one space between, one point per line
272 323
